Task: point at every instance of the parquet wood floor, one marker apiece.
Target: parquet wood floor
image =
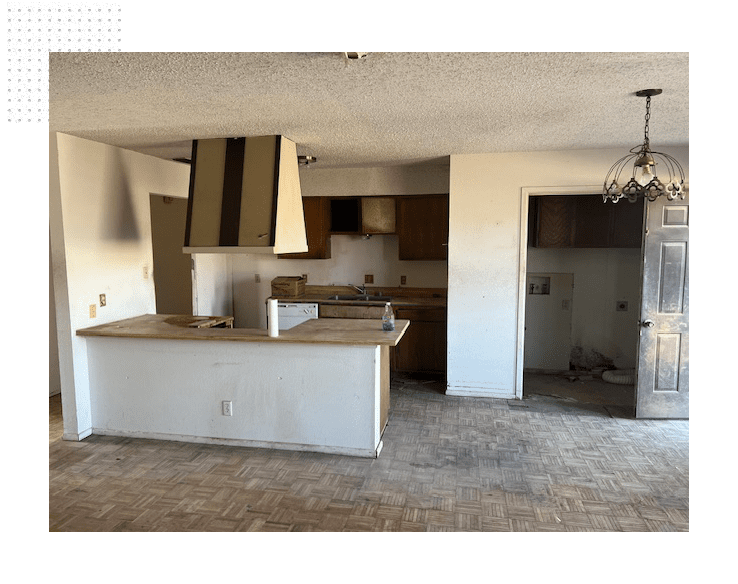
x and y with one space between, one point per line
448 464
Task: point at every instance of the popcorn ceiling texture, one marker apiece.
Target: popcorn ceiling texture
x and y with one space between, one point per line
389 108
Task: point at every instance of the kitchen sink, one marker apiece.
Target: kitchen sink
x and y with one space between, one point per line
361 297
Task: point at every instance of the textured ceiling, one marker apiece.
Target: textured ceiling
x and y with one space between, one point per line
389 108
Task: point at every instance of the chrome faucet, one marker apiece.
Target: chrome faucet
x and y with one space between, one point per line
361 289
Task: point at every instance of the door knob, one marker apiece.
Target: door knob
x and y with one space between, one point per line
648 323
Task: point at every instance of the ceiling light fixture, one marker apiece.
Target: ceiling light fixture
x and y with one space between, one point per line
306 160
355 56
643 181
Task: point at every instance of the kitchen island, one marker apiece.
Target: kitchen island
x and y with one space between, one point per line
321 386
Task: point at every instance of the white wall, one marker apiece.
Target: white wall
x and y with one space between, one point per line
602 277
486 191
548 319
100 230
288 395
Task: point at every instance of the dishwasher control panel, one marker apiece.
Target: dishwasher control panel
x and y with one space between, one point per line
297 309
290 314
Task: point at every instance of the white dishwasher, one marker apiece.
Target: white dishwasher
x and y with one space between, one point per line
291 314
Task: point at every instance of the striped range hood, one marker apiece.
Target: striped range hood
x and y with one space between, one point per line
245 197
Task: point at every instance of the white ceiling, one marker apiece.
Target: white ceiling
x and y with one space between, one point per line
389 108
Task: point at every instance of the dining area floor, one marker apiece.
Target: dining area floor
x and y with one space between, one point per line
553 461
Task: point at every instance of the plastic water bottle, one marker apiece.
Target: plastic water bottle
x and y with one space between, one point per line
388 318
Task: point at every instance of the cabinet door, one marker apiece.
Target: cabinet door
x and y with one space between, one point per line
627 224
377 215
422 226
593 223
316 228
554 221
599 224
422 348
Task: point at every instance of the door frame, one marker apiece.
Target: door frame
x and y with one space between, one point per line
525 194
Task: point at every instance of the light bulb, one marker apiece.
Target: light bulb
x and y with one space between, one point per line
646 175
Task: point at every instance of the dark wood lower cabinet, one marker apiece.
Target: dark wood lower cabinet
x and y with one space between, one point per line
422 349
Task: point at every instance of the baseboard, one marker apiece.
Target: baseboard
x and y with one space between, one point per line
77 437
362 452
480 392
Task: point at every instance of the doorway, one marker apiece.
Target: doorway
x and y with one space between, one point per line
572 239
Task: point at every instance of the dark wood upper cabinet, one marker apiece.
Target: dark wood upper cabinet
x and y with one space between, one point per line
422 227
420 221
317 217
362 215
584 221
627 224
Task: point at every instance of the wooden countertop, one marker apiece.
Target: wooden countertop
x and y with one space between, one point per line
397 302
401 297
337 331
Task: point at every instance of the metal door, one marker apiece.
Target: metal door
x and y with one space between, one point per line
662 389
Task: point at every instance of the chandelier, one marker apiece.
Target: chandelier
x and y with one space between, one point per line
642 181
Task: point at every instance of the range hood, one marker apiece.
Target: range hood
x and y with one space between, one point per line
245 197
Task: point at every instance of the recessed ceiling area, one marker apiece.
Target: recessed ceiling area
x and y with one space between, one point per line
383 109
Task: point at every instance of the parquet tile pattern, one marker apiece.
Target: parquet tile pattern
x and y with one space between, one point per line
448 464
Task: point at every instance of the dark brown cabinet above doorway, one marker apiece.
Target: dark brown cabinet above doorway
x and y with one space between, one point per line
584 221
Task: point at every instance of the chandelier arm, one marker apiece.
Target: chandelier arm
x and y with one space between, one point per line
670 165
622 163
673 165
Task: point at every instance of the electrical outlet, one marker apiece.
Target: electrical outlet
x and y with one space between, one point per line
93 310
306 277
369 279
227 408
257 278
102 300
403 280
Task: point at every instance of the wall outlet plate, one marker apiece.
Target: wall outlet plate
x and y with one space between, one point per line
227 408
103 301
